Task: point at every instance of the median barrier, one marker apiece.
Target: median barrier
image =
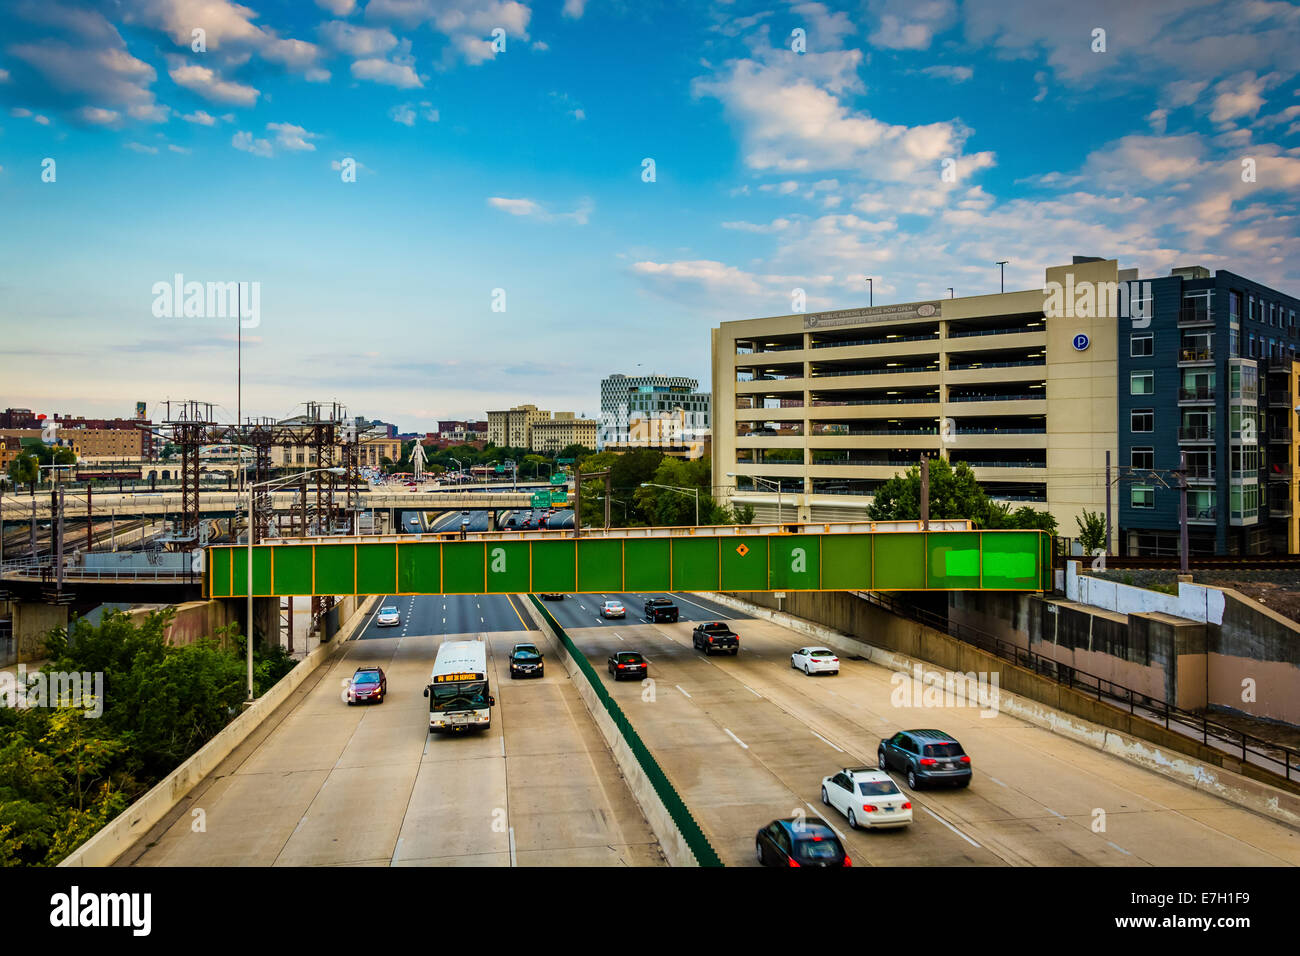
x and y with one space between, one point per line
680 836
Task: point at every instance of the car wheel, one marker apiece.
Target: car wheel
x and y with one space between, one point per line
825 799
735 651
853 821
911 778
880 761
792 665
964 784
806 670
758 852
513 675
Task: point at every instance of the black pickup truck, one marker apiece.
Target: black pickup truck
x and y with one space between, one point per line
660 609
715 636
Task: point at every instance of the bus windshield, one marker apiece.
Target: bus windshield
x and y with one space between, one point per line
469 695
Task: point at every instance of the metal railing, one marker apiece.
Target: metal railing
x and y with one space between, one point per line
1195 354
973 332
1200 393
1002 464
1195 316
880 341
1196 433
996 398
897 370
830 403
1285 759
1019 363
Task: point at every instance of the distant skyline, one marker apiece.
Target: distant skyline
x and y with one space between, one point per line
504 240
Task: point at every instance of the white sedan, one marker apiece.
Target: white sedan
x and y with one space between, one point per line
613 609
388 617
815 660
867 797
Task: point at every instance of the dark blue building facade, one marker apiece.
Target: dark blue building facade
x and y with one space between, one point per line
1205 371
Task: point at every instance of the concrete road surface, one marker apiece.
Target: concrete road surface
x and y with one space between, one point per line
747 740
323 783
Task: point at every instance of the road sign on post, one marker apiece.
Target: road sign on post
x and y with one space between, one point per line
564 461
558 497
559 478
541 499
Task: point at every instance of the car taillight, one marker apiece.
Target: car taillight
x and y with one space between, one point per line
847 861
710 640
965 759
621 666
790 861
928 761
907 805
869 807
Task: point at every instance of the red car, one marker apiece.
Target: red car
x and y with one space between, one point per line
368 685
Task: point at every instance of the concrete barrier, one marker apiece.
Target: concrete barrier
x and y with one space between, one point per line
671 840
120 834
1061 710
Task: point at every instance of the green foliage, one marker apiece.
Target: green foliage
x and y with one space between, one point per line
63 775
24 470
1092 531
954 493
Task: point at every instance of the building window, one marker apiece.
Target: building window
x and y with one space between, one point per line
1142 459
1233 343
1141 344
1142 496
1142 383
1142 420
1234 307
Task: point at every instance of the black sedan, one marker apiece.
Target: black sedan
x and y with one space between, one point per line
526 661
627 664
799 843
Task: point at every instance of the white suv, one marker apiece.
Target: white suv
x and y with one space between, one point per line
868 797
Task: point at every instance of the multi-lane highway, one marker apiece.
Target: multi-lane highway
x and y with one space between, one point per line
325 783
746 739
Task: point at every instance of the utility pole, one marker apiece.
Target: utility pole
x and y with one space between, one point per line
925 493
57 529
1002 264
90 523
1106 544
1182 511
871 292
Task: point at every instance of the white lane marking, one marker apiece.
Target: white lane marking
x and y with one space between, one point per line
818 814
750 689
701 606
396 850
1054 813
618 637
950 827
735 738
998 782
825 741
513 862
503 745
682 689
1120 848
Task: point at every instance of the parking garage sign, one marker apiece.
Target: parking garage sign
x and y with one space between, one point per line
1081 342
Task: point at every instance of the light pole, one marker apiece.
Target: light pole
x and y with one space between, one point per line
767 481
871 292
1002 264
248 583
459 466
681 489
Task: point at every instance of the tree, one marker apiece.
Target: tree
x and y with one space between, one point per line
25 470
1092 531
954 493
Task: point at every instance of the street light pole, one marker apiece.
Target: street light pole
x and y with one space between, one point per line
871 292
682 489
766 481
1002 264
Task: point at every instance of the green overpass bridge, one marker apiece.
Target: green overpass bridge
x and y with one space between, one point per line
557 562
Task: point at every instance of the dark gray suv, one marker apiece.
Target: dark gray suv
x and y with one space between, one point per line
926 756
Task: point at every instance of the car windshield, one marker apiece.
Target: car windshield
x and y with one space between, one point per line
470 695
367 677
876 788
526 652
817 847
944 750
388 610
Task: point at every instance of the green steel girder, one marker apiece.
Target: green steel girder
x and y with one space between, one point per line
850 561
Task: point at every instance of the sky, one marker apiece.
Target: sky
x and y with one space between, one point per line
449 206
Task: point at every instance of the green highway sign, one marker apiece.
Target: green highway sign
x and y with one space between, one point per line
564 461
843 561
501 469
559 497
559 478
541 499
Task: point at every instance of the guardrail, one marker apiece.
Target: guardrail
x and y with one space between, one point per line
1284 759
695 839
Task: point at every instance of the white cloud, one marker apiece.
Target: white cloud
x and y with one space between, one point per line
386 72
141 148
290 137
228 30
958 74
467 24
4 76
178 149
533 209
200 117
208 84
357 41
340 8
97 116
246 142
910 24
1238 96
573 9
403 113
1157 120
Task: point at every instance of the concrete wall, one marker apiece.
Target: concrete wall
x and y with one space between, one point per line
31 622
1003 615
193 620
1193 601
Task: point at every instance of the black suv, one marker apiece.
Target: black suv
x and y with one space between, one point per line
715 636
526 661
626 664
799 843
926 756
660 609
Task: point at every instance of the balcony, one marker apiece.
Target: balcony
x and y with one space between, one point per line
1196 354
1279 506
1279 436
1279 398
1202 516
1194 316
1189 433
1198 393
1200 473
1279 471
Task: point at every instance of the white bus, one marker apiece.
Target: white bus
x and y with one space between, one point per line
458 689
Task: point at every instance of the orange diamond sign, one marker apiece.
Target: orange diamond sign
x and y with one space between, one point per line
742 550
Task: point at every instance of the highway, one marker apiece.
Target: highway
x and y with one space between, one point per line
323 783
746 740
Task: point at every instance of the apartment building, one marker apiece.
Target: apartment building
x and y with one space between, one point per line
511 428
552 435
1210 374
628 403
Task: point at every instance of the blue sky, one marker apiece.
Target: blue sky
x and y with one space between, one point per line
521 169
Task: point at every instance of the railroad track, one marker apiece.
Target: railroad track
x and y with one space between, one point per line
1243 562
